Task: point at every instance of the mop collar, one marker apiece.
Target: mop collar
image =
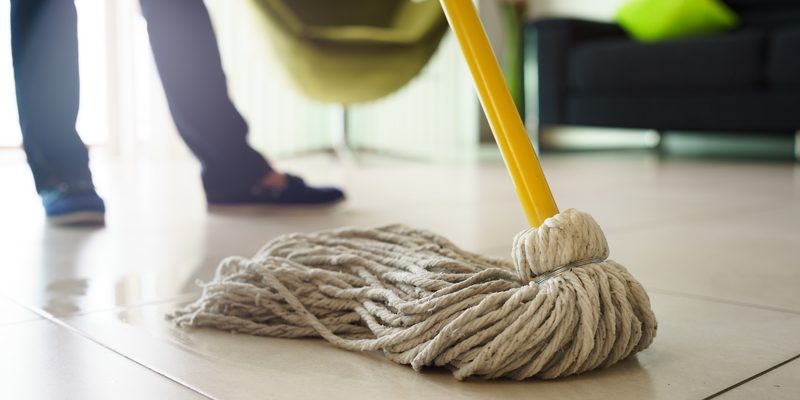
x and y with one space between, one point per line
539 279
564 241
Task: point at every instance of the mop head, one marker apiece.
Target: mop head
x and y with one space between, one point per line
559 308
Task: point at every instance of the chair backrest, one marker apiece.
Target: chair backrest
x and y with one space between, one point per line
345 12
350 51
767 13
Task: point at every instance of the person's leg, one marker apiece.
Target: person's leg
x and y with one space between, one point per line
188 60
185 48
44 45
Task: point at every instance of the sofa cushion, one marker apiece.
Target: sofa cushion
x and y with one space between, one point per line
726 61
783 60
746 111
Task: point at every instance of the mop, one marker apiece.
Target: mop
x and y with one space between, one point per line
559 307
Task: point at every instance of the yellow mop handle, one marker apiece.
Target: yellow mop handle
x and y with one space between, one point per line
509 131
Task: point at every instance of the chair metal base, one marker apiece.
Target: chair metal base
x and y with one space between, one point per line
340 134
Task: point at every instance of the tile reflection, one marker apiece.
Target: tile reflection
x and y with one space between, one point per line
227 365
72 271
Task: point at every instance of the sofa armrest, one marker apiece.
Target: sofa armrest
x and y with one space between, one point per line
555 39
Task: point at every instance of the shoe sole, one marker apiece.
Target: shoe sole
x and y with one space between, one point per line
82 218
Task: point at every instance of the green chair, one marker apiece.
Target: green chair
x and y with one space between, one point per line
351 51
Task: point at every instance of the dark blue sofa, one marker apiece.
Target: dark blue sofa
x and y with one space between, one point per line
747 80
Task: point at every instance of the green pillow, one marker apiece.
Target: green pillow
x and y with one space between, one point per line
652 20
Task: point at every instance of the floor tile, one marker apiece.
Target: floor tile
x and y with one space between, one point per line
42 360
11 313
160 239
730 179
779 384
750 258
694 335
633 192
71 271
708 239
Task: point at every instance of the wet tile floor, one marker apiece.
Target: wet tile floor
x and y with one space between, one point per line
716 244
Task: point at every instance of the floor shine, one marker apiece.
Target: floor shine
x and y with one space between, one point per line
716 244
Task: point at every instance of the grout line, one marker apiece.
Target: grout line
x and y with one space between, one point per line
41 313
756 376
86 336
187 295
35 317
44 315
721 300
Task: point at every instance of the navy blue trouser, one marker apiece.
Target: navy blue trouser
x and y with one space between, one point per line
45 52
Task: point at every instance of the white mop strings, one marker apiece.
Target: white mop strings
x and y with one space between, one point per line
425 302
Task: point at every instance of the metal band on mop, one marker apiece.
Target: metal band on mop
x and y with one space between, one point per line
539 279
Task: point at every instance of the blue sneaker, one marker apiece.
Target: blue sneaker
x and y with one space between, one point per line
294 193
73 204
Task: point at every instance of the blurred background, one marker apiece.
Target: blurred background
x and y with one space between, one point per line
124 113
123 109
